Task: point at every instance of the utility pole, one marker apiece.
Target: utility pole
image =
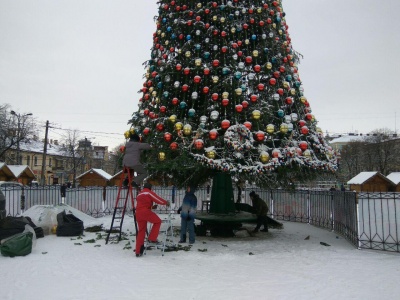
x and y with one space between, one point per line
19 131
42 177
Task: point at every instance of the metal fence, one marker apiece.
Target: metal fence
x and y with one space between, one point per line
367 220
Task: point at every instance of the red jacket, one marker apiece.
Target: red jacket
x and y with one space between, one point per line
145 199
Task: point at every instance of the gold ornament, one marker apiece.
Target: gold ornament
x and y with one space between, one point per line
147 75
225 95
157 100
211 154
270 128
303 99
280 32
255 53
188 54
166 42
292 92
154 93
238 91
199 5
274 25
126 134
307 153
247 41
162 34
264 157
222 20
259 10
158 32
256 114
179 51
286 84
151 89
161 156
215 18
187 129
215 79
172 118
197 62
284 128
269 66
132 131
178 126
233 29
319 130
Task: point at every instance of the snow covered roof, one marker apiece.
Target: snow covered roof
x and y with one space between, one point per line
364 176
100 172
347 139
395 177
17 170
117 175
38 147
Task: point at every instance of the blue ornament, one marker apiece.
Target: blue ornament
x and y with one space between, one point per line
164 20
280 113
191 112
289 78
173 36
254 37
266 50
238 75
160 85
206 54
182 105
243 87
226 71
169 28
188 37
274 60
166 94
197 46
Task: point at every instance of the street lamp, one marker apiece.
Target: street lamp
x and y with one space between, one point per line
19 116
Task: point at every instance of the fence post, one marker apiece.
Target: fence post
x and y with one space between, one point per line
332 212
308 207
22 203
272 206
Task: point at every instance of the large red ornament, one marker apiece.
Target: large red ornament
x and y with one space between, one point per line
185 88
167 137
199 144
248 125
173 146
163 109
146 111
160 127
214 96
289 100
146 131
272 81
304 130
186 71
309 117
213 134
245 104
248 60
303 145
260 136
280 91
253 98
302 123
260 86
225 124
175 101
152 115
215 63
206 71
178 67
225 102
197 79
239 108
206 89
257 68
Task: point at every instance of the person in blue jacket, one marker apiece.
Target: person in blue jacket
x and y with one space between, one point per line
188 213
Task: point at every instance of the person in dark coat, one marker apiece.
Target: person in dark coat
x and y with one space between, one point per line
132 158
188 213
260 209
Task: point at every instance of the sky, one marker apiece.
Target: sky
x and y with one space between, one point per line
78 64
281 264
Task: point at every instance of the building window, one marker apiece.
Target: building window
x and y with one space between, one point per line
49 162
35 161
28 160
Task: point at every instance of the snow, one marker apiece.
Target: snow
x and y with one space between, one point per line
100 172
284 265
395 177
361 178
17 170
347 139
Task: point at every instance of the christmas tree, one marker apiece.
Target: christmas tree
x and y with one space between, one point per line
222 93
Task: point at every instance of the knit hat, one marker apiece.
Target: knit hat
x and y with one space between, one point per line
252 194
148 185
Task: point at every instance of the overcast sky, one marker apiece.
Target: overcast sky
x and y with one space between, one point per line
78 63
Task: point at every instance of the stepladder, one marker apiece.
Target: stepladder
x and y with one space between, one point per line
124 202
167 235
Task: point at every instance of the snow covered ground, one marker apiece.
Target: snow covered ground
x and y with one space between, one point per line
280 264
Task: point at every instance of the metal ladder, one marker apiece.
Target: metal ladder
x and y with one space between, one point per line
124 194
168 239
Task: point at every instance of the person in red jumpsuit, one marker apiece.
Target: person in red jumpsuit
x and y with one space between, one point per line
144 204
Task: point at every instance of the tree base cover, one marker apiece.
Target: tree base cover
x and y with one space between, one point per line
68 225
17 245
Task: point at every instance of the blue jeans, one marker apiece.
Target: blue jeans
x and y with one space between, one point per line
187 225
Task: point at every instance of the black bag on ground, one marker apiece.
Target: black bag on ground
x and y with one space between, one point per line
68 225
13 225
18 245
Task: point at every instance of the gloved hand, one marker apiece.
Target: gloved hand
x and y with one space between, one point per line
179 210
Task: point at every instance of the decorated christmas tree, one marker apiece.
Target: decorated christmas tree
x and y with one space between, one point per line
222 94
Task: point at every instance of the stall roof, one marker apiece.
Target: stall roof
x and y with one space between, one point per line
18 170
364 176
395 177
100 172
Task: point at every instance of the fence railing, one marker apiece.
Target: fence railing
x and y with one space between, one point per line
367 220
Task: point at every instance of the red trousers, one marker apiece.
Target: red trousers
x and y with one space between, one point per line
142 217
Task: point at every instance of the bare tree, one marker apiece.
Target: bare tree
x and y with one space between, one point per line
71 149
14 128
